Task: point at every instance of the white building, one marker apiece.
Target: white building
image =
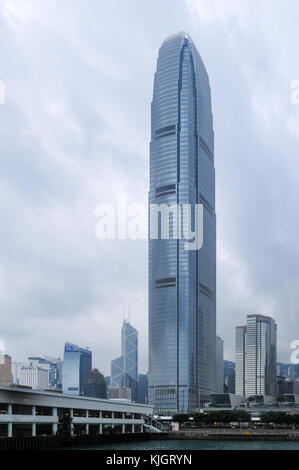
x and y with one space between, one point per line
120 393
256 353
36 377
31 412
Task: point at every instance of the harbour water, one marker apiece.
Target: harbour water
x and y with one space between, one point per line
195 445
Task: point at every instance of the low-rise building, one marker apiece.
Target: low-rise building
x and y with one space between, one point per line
226 400
30 412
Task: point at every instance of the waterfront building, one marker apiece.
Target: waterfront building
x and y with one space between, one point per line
256 357
25 412
124 369
219 367
5 370
77 362
226 400
256 401
95 384
182 281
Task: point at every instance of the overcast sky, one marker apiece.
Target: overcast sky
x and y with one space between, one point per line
75 131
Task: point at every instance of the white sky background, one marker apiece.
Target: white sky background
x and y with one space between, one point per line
75 131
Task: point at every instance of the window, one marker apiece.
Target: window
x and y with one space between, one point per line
166 282
165 131
165 190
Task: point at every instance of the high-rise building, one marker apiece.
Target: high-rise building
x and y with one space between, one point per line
77 362
182 280
219 367
240 351
256 357
229 377
124 369
5 371
95 384
35 377
142 388
54 367
32 375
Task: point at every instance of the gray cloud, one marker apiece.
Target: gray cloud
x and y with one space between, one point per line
74 133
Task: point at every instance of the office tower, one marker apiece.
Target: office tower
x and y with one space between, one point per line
219 368
95 384
230 381
54 367
76 364
256 356
260 355
5 371
142 388
182 280
240 349
124 369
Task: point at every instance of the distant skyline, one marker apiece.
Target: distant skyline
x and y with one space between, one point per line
74 133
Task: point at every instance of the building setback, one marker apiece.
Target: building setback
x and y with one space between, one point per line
182 282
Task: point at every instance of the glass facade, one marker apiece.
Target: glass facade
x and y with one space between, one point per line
240 353
219 367
182 283
124 369
260 356
256 357
95 385
76 364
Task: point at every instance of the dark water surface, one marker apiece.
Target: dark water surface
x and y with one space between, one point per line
196 445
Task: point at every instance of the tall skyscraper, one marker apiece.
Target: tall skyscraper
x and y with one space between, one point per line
182 282
124 369
256 356
240 352
219 366
76 363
